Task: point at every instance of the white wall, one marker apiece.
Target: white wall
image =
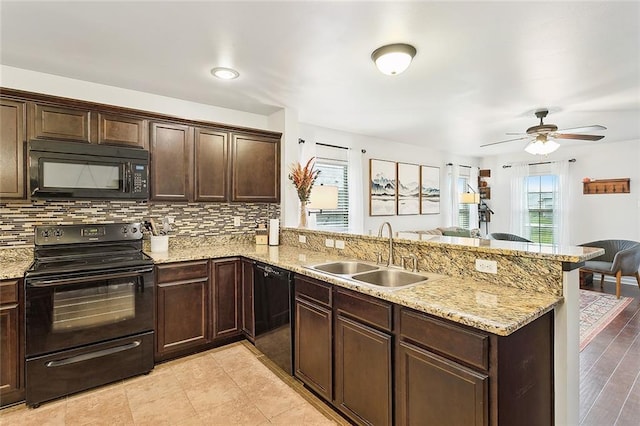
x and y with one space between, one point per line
382 149
32 81
593 217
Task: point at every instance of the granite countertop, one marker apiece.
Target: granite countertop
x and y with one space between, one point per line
496 309
14 262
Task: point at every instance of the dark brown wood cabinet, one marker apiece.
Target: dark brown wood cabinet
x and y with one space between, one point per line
211 171
12 149
11 342
122 130
363 347
182 307
248 316
313 348
255 168
171 151
434 390
61 123
226 298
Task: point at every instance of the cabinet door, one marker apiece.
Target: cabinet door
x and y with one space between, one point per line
182 315
210 164
171 151
51 122
313 332
120 130
433 390
226 297
11 343
248 319
363 387
255 169
12 164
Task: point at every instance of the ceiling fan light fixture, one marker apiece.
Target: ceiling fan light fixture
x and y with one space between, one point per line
539 147
393 59
224 73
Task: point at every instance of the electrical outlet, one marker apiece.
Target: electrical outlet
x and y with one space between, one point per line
488 266
236 221
171 219
340 244
328 242
302 239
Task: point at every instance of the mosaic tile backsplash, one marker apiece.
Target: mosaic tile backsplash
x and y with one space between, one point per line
191 219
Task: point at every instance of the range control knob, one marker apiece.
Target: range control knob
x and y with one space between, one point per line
57 233
45 233
125 229
134 229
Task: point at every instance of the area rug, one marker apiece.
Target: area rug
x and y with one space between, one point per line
597 310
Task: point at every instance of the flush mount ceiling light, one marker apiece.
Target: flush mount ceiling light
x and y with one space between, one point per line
542 145
224 73
393 59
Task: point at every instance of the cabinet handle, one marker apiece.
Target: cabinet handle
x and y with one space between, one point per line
92 355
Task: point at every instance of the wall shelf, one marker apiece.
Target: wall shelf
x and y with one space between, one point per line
607 186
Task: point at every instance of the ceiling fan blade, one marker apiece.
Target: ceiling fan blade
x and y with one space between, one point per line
515 134
508 140
579 137
584 129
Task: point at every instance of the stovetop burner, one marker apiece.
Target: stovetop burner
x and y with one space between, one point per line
66 249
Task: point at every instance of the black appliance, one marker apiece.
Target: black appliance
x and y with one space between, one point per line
272 300
89 309
60 169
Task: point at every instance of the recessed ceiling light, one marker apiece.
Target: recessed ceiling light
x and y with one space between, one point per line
393 59
225 73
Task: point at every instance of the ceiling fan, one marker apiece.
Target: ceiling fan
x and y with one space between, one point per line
542 136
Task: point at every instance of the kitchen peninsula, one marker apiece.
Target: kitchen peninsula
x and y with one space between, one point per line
534 286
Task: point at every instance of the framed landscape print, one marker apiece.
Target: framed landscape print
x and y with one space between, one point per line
408 188
429 190
382 188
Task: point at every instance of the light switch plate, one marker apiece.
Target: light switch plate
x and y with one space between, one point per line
328 242
340 244
236 221
302 239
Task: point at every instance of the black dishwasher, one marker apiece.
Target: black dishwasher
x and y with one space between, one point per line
272 303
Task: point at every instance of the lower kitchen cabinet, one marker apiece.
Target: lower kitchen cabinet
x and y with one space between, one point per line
11 342
182 307
434 390
313 360
363 347
248 315
226 297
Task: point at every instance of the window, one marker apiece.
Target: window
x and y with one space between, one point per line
540 202
463 209
334 171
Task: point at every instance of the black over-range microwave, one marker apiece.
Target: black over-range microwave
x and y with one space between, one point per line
60 169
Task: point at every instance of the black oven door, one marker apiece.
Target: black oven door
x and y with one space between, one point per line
69 311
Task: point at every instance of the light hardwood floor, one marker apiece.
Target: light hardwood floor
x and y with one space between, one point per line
610 367
224 386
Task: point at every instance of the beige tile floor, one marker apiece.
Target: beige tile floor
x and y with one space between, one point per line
233 385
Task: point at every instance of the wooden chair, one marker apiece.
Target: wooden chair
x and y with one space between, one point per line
621 258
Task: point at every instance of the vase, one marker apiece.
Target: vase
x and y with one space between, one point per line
303 215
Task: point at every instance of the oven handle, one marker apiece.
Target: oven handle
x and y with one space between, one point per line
92 355
56 282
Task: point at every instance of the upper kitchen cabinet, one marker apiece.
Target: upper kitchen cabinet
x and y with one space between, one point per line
171 151
12 132
211 161
54 122
122 130
255 168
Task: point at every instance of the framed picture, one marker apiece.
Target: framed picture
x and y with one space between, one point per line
408 188
382 188
429 190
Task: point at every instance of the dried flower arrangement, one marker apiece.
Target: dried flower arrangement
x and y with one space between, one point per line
303 178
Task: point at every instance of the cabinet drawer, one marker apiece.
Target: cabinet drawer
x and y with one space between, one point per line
9 291
365 309
447 339
182 271
314 290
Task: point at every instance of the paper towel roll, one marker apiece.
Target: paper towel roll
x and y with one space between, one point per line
274 232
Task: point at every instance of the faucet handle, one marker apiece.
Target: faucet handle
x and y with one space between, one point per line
414 262
379 257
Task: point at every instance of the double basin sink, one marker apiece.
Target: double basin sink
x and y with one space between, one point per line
375 275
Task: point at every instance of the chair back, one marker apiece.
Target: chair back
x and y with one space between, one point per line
507 237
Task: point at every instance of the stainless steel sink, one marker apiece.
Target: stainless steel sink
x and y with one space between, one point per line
390 278
345 268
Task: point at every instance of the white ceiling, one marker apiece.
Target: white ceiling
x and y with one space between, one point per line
481 70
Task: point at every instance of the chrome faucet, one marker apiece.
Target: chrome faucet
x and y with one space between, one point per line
390 259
